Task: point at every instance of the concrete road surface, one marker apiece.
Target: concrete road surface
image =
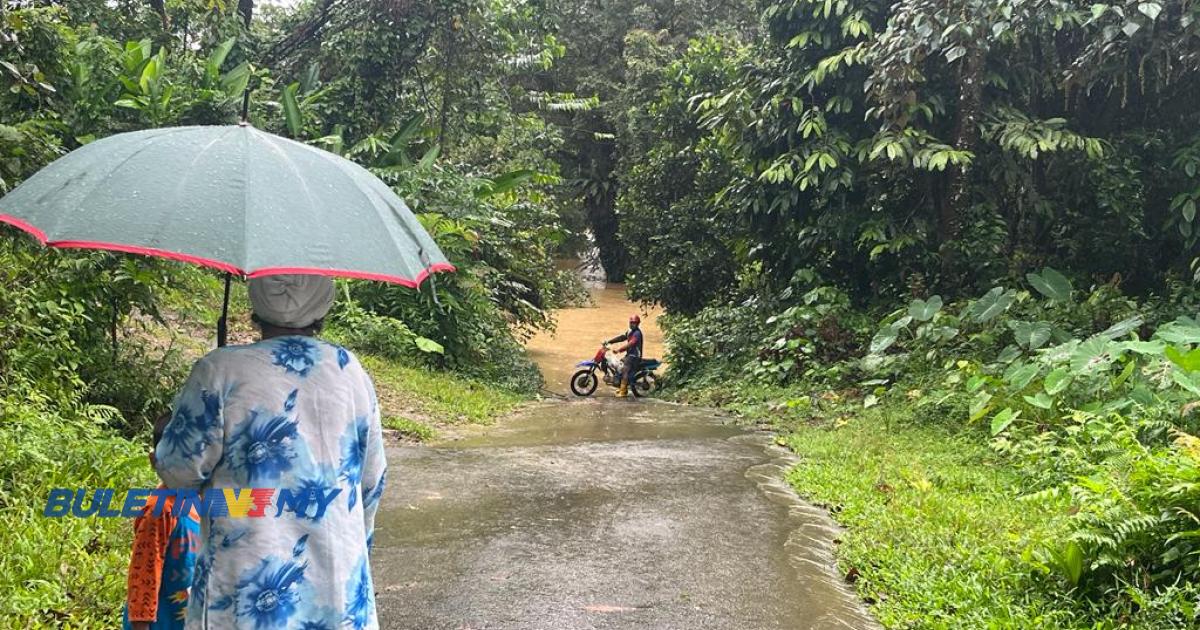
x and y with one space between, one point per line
604 513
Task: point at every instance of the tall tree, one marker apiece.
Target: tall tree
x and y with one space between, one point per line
594 33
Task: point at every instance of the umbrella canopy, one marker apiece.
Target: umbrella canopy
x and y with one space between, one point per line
229 197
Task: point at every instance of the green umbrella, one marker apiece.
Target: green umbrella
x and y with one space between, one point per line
229 197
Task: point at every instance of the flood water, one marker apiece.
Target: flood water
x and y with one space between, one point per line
590 513
580 331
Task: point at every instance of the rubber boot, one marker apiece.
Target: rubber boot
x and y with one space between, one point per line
623 392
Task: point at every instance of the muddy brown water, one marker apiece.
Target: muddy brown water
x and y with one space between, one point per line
603 513
579 332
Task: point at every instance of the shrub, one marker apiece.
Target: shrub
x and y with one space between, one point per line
69 570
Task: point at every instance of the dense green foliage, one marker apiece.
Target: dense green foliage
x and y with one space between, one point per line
63 570
1087 402
902 148
875 199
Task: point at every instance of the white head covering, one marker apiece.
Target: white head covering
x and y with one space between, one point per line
291 300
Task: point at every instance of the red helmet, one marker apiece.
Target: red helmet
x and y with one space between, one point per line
634 319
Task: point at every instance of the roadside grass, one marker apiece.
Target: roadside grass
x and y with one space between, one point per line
936 529
436 398
64 572
410 429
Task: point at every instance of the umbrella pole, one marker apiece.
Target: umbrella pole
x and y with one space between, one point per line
246 104
223 322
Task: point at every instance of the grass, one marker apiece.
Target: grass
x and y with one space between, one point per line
935 530
411 429
62 572
438 398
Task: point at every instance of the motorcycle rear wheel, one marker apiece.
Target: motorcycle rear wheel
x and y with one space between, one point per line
584 382
644 384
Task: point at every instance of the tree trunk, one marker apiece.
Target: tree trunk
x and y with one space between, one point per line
966 138
602 218
160 8
246 10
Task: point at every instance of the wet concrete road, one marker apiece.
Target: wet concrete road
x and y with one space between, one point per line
603 513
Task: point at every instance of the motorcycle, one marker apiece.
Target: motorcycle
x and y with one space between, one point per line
585 381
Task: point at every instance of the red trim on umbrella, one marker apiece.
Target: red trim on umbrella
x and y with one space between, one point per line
223 266
18 223
147 251
361 275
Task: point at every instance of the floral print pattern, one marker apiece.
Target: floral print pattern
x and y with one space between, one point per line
296 354
268 594
190 427
343 357
360 596
354 443
262 416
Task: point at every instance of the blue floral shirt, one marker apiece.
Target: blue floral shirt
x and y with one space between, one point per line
298 415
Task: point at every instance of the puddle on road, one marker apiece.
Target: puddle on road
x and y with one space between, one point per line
592 420
605 514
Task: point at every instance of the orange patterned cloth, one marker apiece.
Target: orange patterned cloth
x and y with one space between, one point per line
160 566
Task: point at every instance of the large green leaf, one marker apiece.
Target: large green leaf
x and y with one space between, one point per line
1152 348
1070 562
429 346
1095 355
980 405
888 335
217 58
924 310
1189 381
1051 284
430 156
1002 420
1057 381
1122 328
883 339
291 111
235 81
1020 375
1041 400
1188 360
505 183
1182 330
402 140
1031 335
992 303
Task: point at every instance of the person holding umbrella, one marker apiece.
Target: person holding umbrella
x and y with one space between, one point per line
290 413
300 415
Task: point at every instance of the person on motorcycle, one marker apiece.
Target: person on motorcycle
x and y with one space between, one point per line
632 350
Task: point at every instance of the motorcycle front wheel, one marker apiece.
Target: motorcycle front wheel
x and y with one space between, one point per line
584 382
